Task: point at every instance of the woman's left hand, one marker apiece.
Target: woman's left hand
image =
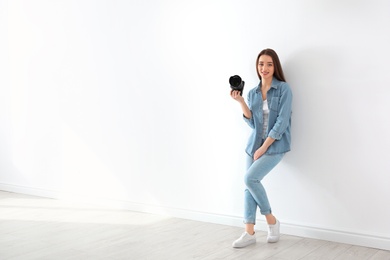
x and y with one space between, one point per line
259 152
263 148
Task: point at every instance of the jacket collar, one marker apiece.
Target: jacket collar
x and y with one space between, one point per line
274 84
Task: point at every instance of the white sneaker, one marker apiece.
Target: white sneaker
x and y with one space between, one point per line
245 240
273 232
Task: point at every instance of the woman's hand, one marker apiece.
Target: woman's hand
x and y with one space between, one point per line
259 152
235 94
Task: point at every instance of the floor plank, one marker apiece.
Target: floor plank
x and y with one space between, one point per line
327 251
381 255
357 252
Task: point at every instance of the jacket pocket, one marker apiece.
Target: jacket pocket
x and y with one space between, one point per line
274 104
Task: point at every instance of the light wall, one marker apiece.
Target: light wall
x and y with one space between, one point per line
127 103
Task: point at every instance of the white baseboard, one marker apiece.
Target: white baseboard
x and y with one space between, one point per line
358 239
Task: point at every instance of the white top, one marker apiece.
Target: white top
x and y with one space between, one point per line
265 118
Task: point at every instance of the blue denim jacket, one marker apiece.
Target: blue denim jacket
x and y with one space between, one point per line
279 99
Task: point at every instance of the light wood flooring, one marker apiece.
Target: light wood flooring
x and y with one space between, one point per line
39 228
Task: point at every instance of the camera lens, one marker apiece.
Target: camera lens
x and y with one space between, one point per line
236 83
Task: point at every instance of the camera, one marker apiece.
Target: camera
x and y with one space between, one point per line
236 83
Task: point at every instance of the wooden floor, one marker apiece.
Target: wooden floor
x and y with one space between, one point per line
38 228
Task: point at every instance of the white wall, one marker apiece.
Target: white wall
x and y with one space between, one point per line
128 102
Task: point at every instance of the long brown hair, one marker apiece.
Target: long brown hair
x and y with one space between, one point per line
278 71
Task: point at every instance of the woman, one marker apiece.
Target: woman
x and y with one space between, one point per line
268 113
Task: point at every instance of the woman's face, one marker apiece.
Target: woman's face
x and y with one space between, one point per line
265 67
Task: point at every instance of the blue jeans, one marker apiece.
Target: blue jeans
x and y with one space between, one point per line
255 194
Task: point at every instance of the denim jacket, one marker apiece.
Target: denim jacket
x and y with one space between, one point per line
279 99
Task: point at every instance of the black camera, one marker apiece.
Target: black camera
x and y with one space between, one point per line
236 83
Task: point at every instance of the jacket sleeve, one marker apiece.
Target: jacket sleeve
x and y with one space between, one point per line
249 121
284 113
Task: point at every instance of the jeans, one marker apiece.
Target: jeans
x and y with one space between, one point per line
255 194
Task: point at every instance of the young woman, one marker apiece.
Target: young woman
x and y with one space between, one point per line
268 113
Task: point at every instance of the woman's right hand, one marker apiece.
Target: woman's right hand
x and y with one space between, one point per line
235 94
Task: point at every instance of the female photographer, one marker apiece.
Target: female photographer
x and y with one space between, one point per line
268 113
